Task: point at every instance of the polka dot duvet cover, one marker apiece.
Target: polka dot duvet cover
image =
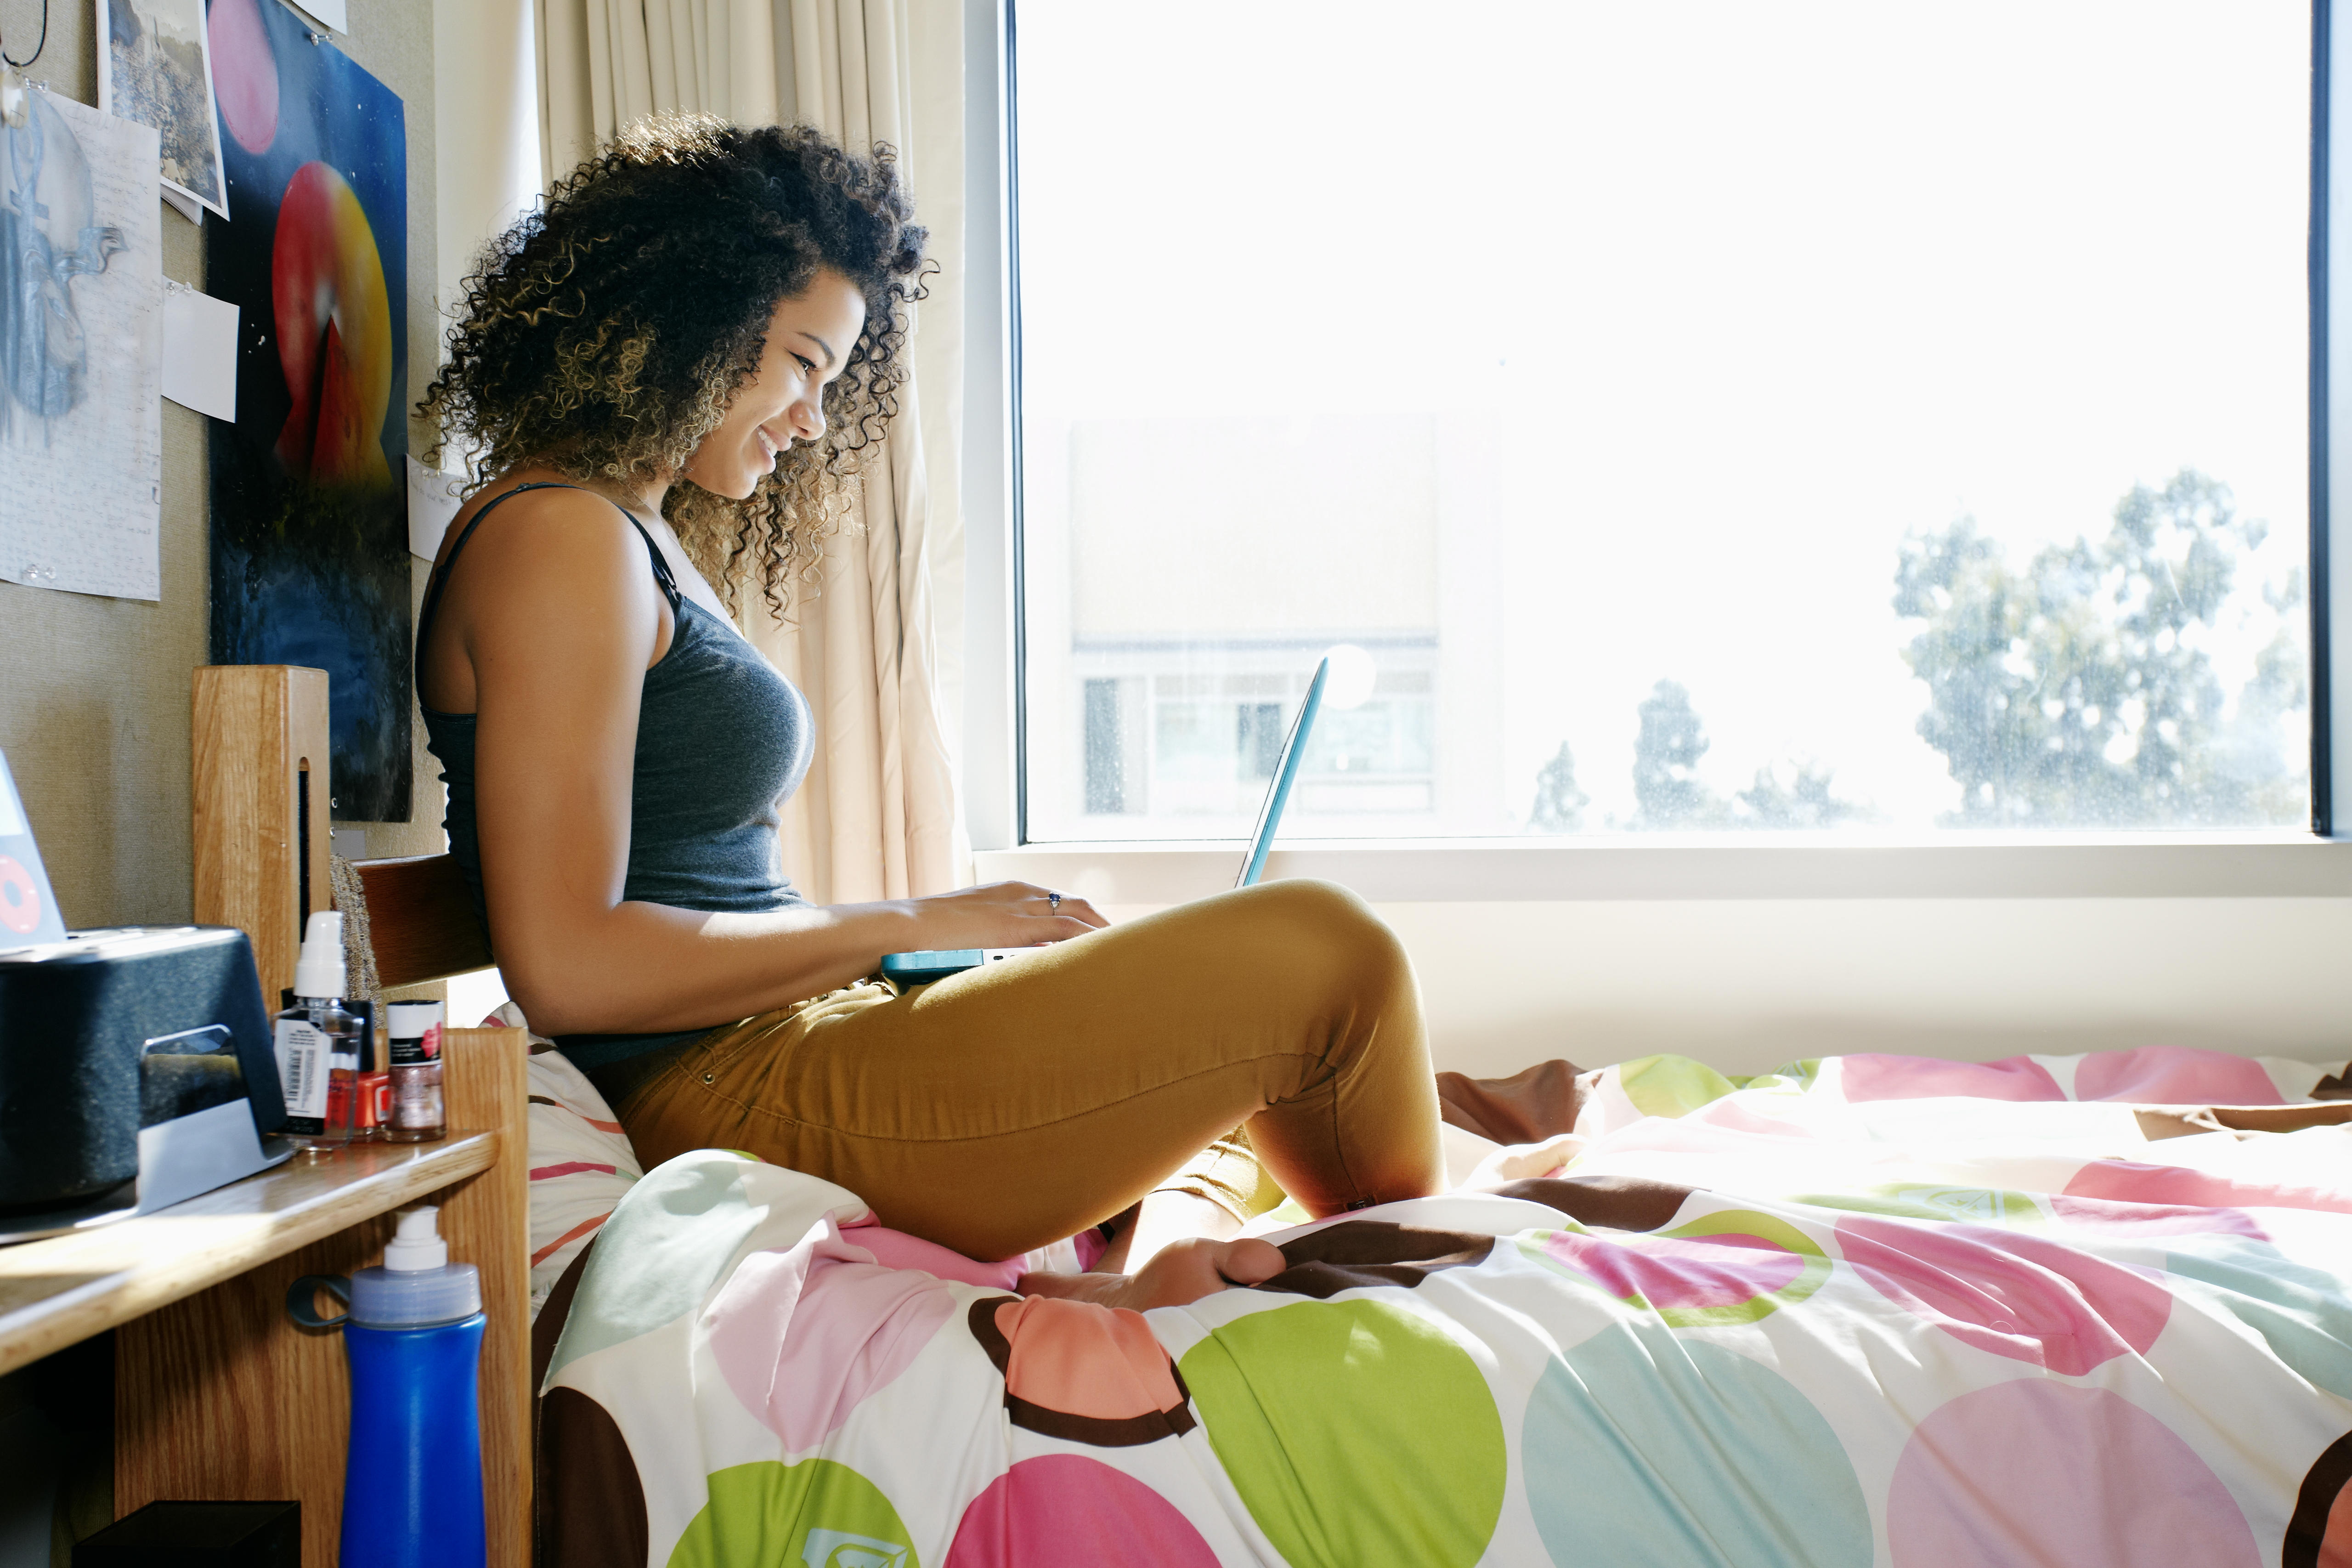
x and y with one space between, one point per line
1784 1323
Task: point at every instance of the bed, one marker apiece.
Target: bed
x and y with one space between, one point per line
1864 1310
1871 1309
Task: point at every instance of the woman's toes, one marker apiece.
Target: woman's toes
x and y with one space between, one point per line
1251 1262
1180 1273
1186 1270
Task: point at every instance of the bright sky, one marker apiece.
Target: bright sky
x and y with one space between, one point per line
1745 293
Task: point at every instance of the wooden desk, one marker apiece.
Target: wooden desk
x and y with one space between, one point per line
217 1395
56 1292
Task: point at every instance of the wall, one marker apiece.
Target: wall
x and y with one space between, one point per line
1747 985
94 691
487 80
1748 955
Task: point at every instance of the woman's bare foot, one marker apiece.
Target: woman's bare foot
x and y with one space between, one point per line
1178 1273
1164 1217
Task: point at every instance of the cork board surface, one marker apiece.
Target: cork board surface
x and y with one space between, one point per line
94 691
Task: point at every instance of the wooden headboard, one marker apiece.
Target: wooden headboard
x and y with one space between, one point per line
260 825
422 920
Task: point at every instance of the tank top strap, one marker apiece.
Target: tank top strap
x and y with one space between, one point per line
663 577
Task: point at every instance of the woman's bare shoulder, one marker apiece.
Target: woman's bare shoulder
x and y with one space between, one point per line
535 508
549 567
547 540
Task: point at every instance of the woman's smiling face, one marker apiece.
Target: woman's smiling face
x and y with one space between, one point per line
809 337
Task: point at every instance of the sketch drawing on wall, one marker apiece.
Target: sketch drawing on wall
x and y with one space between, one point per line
310 532
156 67
80 352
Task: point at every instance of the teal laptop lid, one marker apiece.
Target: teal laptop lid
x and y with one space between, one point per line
1286 773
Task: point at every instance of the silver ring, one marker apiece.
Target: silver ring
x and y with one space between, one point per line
1053 901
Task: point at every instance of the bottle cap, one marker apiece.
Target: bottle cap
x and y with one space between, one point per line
409 1020
417 1243
417 1285
319 972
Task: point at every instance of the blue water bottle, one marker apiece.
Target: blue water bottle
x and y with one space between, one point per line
413 1487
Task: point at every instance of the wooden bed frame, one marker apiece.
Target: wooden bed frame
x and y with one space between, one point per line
202 1382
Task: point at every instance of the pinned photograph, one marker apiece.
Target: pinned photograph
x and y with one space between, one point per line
156 68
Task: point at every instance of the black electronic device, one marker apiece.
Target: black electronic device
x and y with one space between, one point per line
198 1535
136 1070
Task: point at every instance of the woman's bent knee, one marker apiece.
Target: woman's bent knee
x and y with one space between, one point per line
1320 932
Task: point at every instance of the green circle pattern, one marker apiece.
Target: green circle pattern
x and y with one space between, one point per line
814 1514
1671 1086
1359 1435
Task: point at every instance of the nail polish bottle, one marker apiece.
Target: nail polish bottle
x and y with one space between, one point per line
417 1113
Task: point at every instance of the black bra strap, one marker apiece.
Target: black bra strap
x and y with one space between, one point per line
663 576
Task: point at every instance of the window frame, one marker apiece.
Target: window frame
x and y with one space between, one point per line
2272 863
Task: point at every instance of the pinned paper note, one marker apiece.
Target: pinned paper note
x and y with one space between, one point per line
332 14
200 351
433 501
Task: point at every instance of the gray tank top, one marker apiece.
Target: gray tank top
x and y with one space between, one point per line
722 742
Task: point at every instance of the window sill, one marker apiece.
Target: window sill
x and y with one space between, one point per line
2266 865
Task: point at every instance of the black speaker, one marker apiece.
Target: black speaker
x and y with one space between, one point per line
199 1535
109 1031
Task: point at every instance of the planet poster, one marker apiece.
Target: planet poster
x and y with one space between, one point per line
310 537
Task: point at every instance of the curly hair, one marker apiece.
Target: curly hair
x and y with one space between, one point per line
606 333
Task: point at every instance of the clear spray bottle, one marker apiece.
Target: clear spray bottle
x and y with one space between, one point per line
319 1043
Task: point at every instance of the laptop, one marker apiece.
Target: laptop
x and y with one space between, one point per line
29 911
936 963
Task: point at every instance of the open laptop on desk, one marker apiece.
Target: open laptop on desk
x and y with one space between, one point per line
937 964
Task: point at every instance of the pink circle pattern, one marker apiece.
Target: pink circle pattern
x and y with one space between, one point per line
1065 1510
1673 1273
2114 1216
802 1361
2013 1294
2174 1075
2127 1180
1868 1075
2033 1471
245 73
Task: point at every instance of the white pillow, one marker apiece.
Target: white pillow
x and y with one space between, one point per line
580 1160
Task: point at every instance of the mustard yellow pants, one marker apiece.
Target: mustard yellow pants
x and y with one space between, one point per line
1009 1106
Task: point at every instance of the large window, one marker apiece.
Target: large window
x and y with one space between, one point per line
1723 416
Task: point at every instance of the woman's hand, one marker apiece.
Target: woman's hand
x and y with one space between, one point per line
546 638
1001 914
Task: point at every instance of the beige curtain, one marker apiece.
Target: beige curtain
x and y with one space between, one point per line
878 816
603 63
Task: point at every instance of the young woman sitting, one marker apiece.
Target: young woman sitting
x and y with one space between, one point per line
665 377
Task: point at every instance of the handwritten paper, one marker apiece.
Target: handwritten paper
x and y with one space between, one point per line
82 352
